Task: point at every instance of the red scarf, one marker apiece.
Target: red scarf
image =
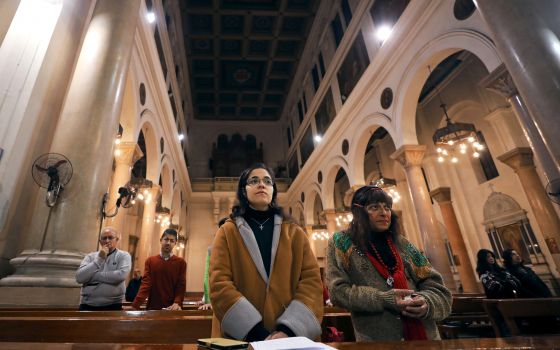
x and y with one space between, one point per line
413 329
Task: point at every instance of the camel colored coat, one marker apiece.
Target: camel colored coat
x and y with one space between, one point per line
242 294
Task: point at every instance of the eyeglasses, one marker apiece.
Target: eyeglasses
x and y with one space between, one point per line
377 207
254 181
107 238
168 240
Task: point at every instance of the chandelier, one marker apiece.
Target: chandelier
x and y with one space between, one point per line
454 138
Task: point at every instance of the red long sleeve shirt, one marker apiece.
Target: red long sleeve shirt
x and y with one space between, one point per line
164 283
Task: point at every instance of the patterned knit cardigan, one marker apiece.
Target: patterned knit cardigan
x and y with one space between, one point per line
355 284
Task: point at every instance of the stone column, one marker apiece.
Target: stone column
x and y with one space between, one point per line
466 272
500 81
521 161
526 36
330 215
410 157
148 224
126 154
84 134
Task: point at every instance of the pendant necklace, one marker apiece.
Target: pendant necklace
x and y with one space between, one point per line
261 224
390 280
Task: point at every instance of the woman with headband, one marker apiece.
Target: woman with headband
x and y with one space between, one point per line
388 285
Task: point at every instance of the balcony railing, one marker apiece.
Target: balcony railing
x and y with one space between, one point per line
229 184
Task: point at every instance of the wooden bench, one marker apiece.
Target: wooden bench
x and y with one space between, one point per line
171 327
507 314
468 318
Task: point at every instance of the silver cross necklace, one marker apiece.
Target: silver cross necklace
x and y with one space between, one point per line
261 224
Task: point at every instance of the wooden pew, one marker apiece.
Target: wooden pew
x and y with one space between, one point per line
91 327
468 318
537 315
341 320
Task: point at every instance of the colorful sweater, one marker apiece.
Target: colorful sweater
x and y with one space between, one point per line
163 283
355 284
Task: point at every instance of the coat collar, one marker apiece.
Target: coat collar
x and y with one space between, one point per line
251 244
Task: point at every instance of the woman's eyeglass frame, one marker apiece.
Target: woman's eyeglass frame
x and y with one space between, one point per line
255 181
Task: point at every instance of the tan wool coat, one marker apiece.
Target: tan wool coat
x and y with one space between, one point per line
241 292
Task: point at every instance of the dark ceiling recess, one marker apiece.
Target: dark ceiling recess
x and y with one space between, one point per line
243 54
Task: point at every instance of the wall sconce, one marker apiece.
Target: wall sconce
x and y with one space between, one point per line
127 196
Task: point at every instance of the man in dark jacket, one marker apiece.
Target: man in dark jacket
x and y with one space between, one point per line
133 285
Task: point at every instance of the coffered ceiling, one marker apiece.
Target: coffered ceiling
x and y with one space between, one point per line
243 54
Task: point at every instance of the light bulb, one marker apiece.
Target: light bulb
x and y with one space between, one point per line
440 159
463 151
439 150
450 142
454 160
470 139
117 141
151 17
476 154
140 196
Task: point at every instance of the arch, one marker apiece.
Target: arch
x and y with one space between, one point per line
416 74
501 209
328 184
176 211
367 126
312 192
152 153
129 110
297 212
166 185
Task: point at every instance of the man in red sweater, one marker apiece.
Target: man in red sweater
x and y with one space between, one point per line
164 281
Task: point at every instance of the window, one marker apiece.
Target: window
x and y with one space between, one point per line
289 137
316 80
338 32
346 12
486 162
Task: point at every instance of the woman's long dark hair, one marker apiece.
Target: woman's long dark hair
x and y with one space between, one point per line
243 202
360 226
508 263
482 264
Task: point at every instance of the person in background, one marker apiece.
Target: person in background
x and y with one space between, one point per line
102 274
532 285
164 281
133 285
497 282
264 279
206 305
387 284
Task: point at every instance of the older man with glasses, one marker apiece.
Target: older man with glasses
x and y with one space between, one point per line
102 274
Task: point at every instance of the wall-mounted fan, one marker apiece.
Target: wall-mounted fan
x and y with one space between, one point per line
553 190
52 171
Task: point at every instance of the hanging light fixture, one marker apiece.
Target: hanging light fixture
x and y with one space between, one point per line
387 184
455 139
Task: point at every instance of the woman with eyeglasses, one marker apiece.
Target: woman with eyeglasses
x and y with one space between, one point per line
264 279
387 284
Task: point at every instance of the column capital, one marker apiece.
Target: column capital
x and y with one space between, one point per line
441 194
518 158
500 81
127 153
329 211
409 155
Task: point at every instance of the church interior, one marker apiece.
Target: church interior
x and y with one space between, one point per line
151 109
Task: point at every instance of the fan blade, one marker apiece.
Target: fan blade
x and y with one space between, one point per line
40 168
59 163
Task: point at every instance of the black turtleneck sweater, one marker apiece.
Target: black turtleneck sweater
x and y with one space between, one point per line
256 219
379 240
265 219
